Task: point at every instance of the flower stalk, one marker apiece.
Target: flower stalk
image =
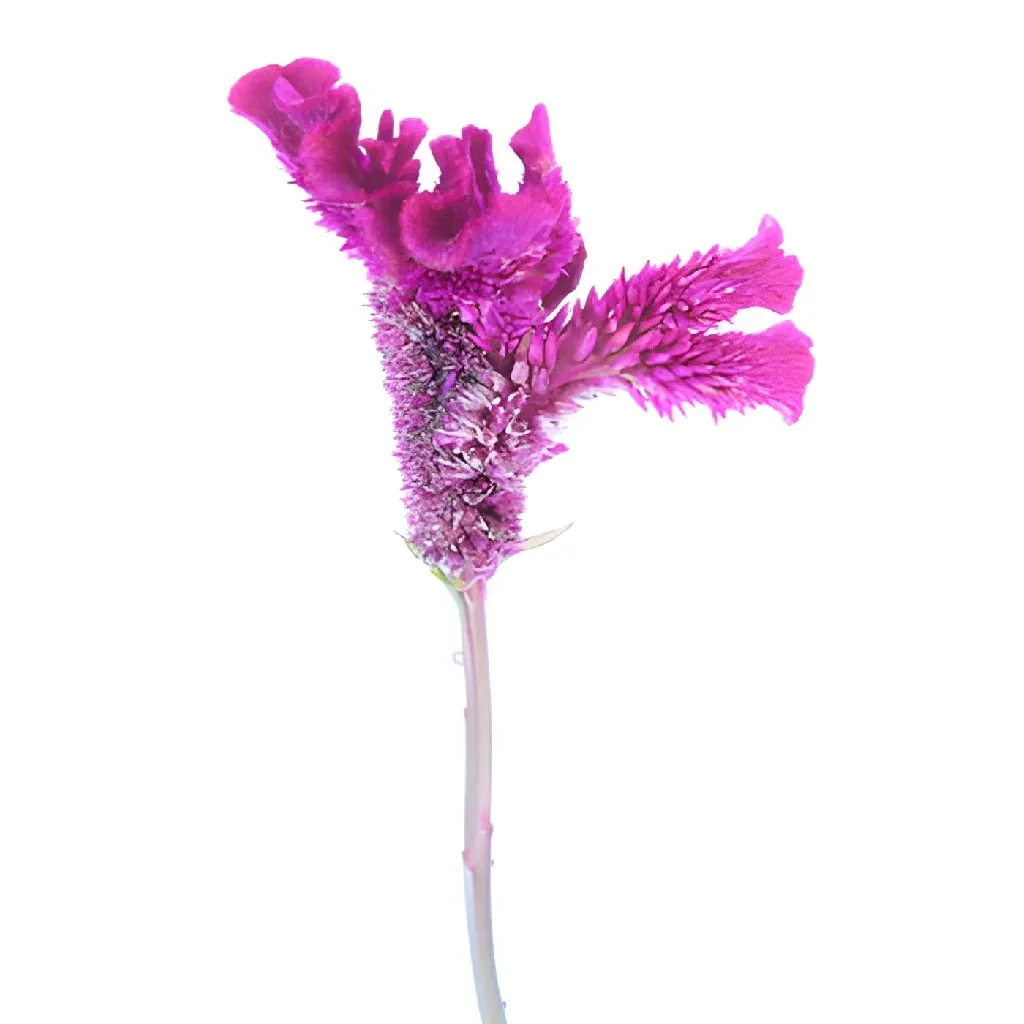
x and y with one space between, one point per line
477 827
485 351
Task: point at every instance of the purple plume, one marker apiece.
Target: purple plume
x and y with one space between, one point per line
481 355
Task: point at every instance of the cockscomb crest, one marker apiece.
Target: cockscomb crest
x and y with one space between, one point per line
367 190
468 283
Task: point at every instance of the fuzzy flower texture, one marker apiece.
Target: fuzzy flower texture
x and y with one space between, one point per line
482 352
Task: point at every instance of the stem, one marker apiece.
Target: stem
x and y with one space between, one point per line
476 854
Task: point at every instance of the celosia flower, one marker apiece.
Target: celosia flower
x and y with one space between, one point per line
483 356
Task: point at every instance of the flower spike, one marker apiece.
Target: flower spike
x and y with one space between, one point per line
484 353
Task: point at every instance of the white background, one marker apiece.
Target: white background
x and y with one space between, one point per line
758 714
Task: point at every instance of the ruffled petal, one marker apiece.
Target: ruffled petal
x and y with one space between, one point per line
431 225
729 371
532 144
272 97
656 333
481 156
757 275
567 279
522 249
311 76
357 186
329 162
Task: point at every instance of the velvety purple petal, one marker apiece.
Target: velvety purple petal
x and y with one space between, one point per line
432 224
481 155
310 76
568 279
357 186
452 156
258 96
331 165
532 144
656 333
731 370
411 132
252 96
759 274
390 159
677 299
386 126
512 226
377 222
722 371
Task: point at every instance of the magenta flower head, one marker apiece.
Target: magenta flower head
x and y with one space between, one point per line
483 356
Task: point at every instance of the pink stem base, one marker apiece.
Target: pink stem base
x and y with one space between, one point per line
476 853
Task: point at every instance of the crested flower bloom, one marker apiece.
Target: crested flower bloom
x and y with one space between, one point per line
482 354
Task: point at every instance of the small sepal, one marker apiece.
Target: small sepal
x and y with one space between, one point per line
452 581
540 539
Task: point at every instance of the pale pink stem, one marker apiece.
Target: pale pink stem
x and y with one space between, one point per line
476 854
